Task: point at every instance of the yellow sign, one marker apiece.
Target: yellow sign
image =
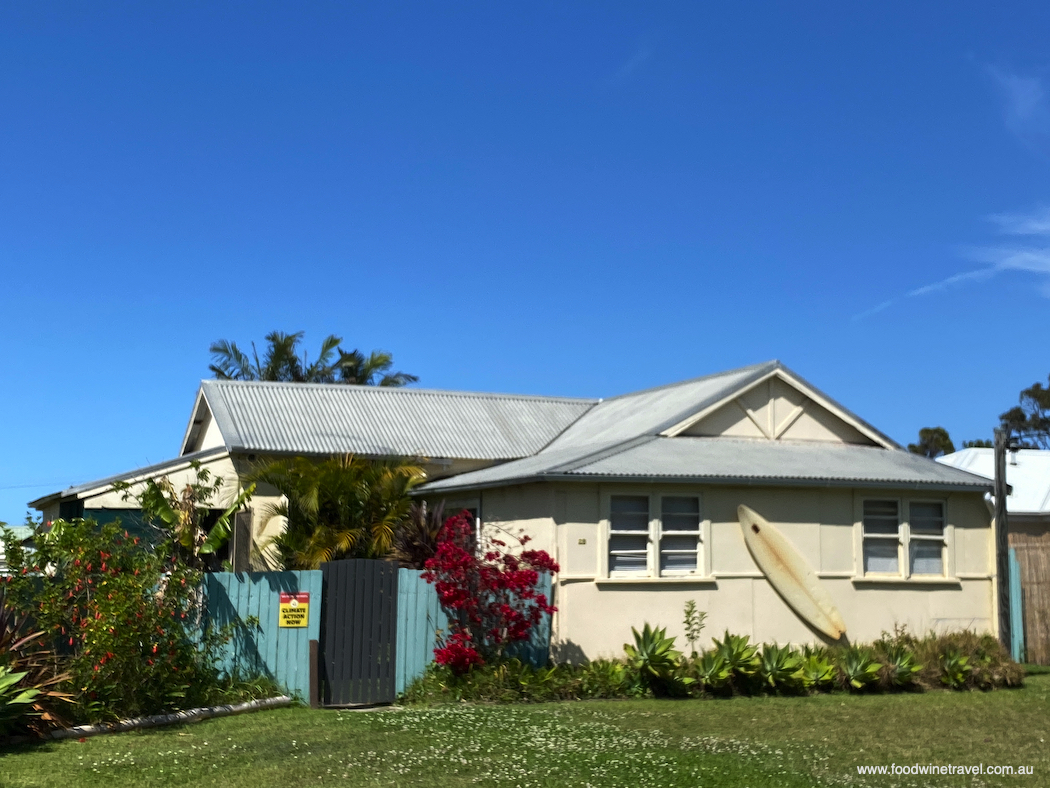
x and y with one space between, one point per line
294 610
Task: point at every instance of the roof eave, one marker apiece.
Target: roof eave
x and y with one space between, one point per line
736 481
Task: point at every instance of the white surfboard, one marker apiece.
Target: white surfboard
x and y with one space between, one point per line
790 574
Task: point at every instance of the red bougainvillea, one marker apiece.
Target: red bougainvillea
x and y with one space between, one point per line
490 596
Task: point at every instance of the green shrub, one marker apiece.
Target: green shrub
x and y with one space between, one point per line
990 665
653 667
780 668
694 625
817 671
899 668
16 700
124 620
712 672
655 661
857 667
24 653
955 669
740 657
606 678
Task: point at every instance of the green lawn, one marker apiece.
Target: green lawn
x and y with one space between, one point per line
740 742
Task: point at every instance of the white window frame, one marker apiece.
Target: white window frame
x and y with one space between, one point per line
905 537
655 534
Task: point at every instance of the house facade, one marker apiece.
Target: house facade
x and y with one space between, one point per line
637 496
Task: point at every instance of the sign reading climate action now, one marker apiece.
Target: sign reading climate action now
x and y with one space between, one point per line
294 609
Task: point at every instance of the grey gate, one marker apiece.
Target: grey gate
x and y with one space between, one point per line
358 648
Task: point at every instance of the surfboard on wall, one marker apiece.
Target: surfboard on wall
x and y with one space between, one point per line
790 574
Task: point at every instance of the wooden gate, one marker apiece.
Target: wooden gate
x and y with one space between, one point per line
358 650
1032 546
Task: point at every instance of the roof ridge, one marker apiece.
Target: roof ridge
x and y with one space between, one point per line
397 391
766 365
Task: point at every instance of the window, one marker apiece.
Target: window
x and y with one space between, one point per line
926 538
629 533
679 535
919 540
654 535
882 537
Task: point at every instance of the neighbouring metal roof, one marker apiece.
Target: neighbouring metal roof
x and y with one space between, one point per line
150 471
297 418
1027 473
731 461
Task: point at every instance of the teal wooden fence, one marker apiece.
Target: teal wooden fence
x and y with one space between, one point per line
1017 649
280 653
284 653
420 618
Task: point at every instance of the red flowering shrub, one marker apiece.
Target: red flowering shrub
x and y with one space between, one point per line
123 619
458 653
490 597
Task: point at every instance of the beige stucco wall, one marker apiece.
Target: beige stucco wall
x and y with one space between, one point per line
596 613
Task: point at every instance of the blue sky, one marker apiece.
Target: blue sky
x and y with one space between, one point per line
571 199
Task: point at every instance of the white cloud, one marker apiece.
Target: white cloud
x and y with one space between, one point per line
1034 223
1033 259
1026 110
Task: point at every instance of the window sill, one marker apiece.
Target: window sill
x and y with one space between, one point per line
908 581
617 581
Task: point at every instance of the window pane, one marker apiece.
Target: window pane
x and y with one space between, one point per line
629 513
678 562
631 562
680 514
880 509
927 519
927 558
880 517
678 543
619 542
880 555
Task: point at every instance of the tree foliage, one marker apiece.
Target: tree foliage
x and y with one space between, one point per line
340 507
185 516
123 619
933 442
281 361
1029 422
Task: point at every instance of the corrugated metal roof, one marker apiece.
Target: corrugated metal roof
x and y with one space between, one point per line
300 418
650 411
149 471
732 461
1027 472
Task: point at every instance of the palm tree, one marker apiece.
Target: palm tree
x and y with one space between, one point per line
372 370
281 362
340 507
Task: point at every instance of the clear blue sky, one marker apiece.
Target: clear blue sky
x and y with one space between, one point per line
570 199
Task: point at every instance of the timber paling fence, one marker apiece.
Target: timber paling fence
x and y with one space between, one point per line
368 631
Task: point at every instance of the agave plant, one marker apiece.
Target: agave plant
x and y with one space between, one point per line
779 666
858 667
955 669
712 670
653 653
655 660
900 667
740 657
816 670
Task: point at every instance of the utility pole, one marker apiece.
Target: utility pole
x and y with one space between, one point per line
1002 544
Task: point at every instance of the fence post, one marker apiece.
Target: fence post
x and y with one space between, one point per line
315 696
